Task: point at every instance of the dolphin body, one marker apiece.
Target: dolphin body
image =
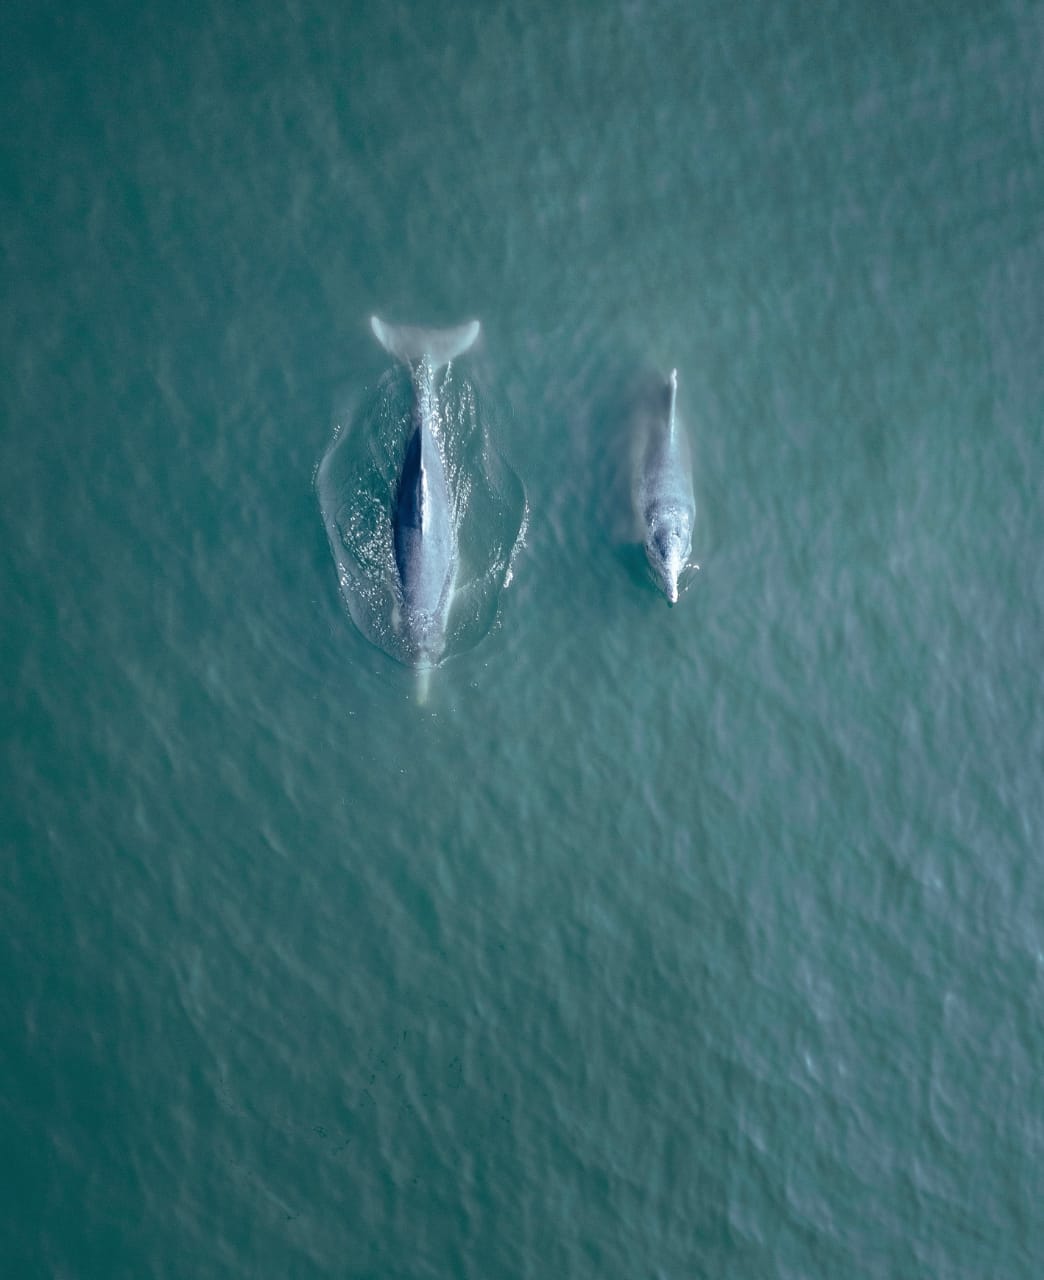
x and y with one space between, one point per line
664 499
425 534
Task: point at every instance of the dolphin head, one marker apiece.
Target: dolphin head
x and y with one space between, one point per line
427 639
668 544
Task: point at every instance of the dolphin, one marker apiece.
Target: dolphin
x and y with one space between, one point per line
664 500
425 534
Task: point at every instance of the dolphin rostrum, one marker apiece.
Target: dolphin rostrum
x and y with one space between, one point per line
425 533
664 497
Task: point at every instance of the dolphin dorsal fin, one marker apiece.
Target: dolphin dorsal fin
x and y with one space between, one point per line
426 443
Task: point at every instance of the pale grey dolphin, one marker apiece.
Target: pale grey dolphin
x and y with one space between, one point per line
425 533
663 494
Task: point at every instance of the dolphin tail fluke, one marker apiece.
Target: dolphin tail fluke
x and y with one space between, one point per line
672 398
411 345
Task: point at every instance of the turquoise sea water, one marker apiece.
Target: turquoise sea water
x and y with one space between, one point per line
704 942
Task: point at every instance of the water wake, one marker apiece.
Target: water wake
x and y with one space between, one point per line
356 482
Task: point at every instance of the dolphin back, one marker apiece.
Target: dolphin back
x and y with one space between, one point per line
411 344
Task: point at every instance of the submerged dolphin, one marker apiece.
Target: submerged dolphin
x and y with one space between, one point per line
425 533
664 497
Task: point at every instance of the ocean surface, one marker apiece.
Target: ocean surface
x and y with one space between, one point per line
657 943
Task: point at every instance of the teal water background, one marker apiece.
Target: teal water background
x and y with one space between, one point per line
705 942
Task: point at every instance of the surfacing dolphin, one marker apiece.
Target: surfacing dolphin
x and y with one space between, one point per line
425 533
664 500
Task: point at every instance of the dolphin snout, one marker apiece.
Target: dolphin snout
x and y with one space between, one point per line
674 570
